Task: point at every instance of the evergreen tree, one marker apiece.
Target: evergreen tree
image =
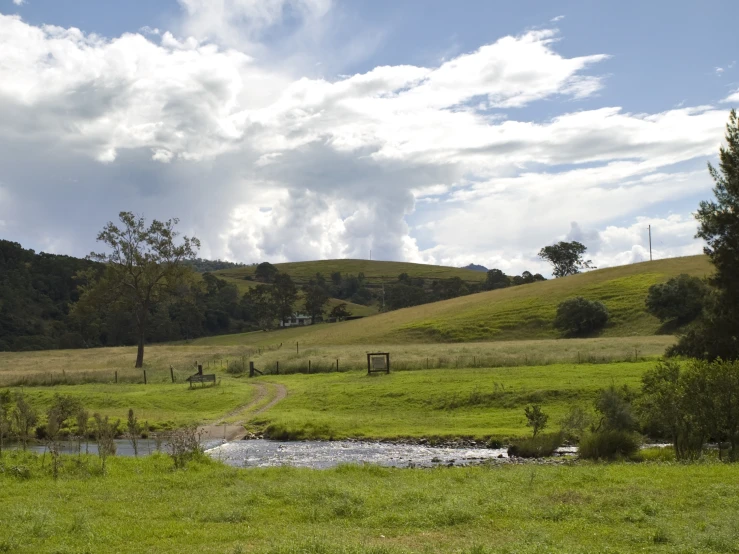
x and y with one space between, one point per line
718 333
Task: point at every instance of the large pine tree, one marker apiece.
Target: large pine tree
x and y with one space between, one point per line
718 333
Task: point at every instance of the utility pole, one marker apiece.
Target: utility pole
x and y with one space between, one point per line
650 243
370 254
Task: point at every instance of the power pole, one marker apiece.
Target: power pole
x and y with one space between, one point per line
650 243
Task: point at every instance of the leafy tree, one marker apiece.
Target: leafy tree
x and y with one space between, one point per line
403 296
577 317
284 296
566 258
265 272
717 335
340 311
496 279
315 302
143 268
259 307
679 299
535 418
614 406
666 408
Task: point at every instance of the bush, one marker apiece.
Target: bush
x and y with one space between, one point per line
680 299
540 446
577 317
609 445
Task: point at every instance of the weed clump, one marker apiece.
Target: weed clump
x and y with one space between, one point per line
540 446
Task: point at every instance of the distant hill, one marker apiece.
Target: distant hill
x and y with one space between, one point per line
376 272
524 312
475 267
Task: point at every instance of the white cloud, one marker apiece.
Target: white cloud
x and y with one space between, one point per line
19 2
718 71
178 126
557 18
733 97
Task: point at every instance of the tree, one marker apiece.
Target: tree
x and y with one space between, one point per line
577 317
144 267
258 306
265 272
284 296
496 279
680 299
717 335
665 408
535 418
340 311
315 302
566 258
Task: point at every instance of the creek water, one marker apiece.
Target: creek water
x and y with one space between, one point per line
326 454
316 454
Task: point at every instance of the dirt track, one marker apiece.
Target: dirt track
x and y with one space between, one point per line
220 430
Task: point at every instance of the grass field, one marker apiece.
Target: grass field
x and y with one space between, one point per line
477 403
144 506
515 313
479 389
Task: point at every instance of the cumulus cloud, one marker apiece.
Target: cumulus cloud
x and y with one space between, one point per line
419 163
19 2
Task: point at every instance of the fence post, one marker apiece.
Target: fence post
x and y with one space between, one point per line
297 348
427 362
578 356
308 366
337 364
144 377
116 377
171 373
277 367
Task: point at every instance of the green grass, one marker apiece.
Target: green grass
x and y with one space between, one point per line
162 405
477 403
374 271
515 313
144 506
476 389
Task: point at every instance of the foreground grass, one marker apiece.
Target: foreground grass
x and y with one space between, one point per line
515 313
478 403
144 506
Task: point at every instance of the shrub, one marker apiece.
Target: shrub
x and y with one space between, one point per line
577 317
574 423
680 299
539 446
609 445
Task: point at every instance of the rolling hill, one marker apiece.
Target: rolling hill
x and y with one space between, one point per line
374 271
523 312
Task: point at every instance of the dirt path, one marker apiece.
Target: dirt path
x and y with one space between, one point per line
231 431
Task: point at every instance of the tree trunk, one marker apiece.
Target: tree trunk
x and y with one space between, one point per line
140 354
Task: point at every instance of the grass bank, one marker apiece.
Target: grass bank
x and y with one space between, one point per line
466 402
144 506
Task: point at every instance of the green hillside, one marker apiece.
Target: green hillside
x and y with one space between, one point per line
523 312
374 271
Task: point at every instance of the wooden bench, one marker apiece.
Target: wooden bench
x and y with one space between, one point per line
200 378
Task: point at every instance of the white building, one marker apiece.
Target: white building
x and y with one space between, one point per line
296 320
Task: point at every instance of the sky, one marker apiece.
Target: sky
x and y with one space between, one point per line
438 132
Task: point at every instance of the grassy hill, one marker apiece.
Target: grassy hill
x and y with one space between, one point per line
374 271
523 312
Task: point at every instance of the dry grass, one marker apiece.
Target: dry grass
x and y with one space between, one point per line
98 365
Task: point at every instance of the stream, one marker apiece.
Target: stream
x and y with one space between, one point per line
317 454
326 454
